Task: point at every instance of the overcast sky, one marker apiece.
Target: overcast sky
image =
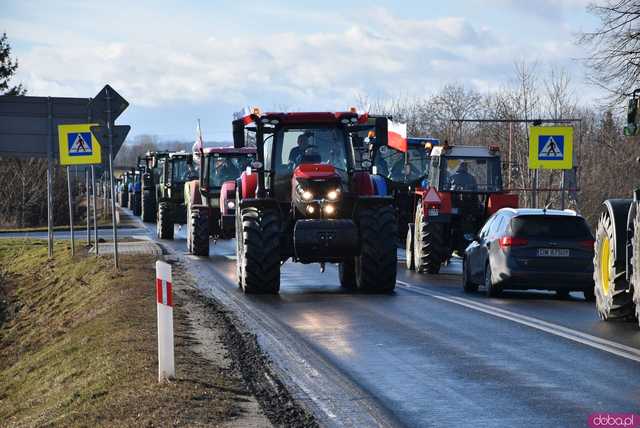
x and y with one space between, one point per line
178 61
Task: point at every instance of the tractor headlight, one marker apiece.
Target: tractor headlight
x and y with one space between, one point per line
311 209
307 195
329 209
231 205
333 195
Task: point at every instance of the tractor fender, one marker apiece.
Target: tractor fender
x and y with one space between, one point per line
379 185
227 193
259 203
362 184
372 202
248 185
192 194
618 211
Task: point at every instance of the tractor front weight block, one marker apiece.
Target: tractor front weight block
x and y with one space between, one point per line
325 240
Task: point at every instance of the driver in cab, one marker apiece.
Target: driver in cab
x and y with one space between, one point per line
461 179
224 170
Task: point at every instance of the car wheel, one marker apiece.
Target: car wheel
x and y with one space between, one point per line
491 288
467 285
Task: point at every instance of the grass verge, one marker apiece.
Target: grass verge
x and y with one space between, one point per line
77 346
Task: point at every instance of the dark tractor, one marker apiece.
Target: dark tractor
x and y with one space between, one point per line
151 164
616 262
308 200
127 179
175 170
211 200
463 188
401 172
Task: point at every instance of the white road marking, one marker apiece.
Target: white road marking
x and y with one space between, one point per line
555 329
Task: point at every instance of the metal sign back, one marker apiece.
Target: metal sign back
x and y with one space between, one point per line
98 105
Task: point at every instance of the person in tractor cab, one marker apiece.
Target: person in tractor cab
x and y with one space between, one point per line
297 153
224 170
462 179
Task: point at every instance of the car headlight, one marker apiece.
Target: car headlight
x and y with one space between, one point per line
231 205
307 195
333 195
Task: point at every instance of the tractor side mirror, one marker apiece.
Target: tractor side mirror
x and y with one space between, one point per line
238 133
382 131
632 118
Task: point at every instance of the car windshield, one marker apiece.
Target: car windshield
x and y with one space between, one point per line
180 170
550 226
462 174
224 168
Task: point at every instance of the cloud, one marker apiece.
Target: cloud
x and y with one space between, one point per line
174 61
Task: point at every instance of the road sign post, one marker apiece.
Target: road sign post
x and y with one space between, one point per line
87 193
70 197
95 214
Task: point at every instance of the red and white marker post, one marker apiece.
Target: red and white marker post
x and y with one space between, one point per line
164 299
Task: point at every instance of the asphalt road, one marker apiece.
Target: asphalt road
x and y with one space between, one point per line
429 354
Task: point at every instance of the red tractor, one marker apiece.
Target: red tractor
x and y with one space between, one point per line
309 201
210 201
463 188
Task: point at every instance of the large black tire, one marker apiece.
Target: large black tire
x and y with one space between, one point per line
613 301
347 274
408 248
148 206
260 252
124 199
377 264
137 204
635 264
467 285
239 246
491 287
429 250
164 226
198 230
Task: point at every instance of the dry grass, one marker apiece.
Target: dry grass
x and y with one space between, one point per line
77 347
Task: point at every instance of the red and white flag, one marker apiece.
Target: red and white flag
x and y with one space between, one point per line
198 146
397 135
244 114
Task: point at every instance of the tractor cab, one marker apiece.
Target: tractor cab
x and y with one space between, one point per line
633 111
176 169
408 168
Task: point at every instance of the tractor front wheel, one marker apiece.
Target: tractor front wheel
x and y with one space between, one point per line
429 249
148 206
260 253
164 226
635 264
198 231
612 299
376 266
408 248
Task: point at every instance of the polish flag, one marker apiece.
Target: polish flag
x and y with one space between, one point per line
397 135
363 114
198 146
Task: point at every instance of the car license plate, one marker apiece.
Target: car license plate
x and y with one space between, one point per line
433 212
553 252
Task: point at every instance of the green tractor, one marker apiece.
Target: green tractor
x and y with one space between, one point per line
616 262
175 170
150 167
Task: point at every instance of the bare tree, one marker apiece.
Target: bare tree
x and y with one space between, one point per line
615 47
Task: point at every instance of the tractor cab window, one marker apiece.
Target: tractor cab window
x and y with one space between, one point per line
462 174
226 168
400 167
180 170
296 146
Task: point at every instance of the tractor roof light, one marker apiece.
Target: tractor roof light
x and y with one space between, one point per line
494 148
353 110
256 111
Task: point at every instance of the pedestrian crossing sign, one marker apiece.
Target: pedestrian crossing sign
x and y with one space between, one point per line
77 145
551 147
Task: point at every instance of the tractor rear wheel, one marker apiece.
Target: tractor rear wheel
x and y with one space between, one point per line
408 248
164 226
137 204
198 230
347 274
260 253
429 249
148 206
612 299
376 266
635 264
